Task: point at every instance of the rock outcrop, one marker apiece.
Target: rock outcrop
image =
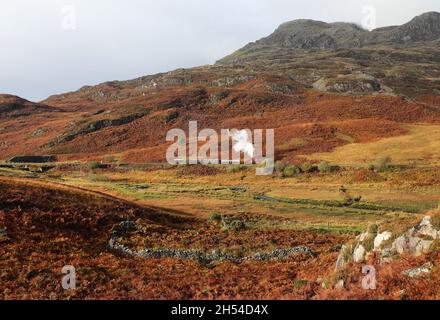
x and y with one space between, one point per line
415 242
311 34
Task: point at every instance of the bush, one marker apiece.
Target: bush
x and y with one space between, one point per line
308 167
291 171
280 166
373 228
369 243
324 167
171 117
94 165
215 217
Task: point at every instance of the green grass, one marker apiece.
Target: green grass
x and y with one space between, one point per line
130 191
263 223
411 206
342 204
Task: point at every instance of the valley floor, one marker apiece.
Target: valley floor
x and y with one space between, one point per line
67 216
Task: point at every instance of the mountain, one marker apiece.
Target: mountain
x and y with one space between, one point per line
310 34
343 58
316 83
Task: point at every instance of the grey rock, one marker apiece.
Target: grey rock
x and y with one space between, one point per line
359 254
417 272
416 242
310 34
412 245
426 229
381 238
400 245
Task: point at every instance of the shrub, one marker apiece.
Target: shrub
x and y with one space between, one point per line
324 167
280 166
171 117
373 228
215 217
217 97
308 167
291 171
94 165
369 243
236 225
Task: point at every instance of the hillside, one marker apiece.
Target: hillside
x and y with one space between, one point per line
14 107
319 85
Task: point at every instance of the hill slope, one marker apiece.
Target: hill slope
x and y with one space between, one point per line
314 82
13 107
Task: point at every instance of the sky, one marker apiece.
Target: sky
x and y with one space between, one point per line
55 46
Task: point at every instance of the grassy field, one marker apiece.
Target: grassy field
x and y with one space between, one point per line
306 201
421 146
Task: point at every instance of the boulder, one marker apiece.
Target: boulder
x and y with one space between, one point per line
400 245
359 254
381 238
425 229
414 246
417 272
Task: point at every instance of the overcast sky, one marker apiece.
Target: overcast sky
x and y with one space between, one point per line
54 46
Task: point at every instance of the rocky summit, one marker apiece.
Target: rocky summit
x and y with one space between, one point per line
311 34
